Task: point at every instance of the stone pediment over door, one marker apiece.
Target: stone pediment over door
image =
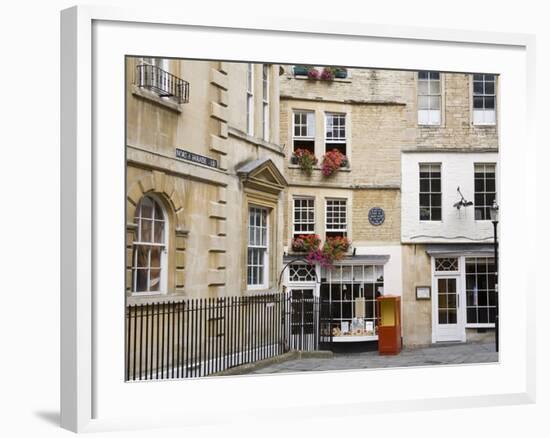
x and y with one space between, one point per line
262 175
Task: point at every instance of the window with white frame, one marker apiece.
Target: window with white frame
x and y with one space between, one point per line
485 189
430 192
304 216
265 101
335 132
257 265
429 98
250 99
484 99
149 248
336 218
303 133
446 264
480 290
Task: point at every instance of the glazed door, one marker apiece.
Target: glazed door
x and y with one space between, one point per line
448 309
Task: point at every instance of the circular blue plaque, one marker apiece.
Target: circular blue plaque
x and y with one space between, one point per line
376 216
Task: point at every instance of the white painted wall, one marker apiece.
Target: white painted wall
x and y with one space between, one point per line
392 269
456 226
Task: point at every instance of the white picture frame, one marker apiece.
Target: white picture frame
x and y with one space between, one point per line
88 394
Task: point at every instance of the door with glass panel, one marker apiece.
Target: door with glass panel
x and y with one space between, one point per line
448 309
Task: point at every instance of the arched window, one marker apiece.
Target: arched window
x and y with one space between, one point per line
149 248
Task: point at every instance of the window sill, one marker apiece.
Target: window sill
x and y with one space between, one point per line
341 169
155 98
476 326
259 292
484 125
305 78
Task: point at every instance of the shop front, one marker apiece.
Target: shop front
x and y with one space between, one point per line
464 292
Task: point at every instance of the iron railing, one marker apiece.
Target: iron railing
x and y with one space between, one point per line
203 336
162 83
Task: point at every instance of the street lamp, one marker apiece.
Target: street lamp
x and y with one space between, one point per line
494 219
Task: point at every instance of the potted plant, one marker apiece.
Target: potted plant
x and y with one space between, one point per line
305 159
340 72
327 74
332 161
300 70
313 73
334 248
306 243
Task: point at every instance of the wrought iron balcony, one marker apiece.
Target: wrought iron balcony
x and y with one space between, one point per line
162 83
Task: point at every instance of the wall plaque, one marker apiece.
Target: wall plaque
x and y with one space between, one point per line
196 158
376 216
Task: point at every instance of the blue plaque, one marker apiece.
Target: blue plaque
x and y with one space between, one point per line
376 216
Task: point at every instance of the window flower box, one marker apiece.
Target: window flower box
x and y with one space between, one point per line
332 161
305 159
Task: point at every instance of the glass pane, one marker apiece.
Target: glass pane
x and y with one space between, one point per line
478 87
422 75
434 75
442 286
435 200
452 316
141 280
435 87
158 212
489 102
436 213
155 256
471 315
451 286
159 231
146 229
147 207
442 301
478 102
154 280
436 185
435 102
142 260
424 200
423 87
423 102
489 88
424 185
442 317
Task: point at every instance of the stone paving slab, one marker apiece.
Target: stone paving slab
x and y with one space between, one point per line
433 355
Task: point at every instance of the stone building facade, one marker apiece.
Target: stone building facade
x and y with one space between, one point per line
204 168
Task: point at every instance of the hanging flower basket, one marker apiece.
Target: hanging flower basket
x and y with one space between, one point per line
306 243
327 74
305 159
313 73
334 249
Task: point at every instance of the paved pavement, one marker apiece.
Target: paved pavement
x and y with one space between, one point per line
433 355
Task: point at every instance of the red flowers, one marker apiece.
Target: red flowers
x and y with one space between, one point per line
334 248
332 161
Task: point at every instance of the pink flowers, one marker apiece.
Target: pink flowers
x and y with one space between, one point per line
313 73
327 74
334 249
306 242
305 159
332 161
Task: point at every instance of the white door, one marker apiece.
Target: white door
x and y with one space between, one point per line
448 309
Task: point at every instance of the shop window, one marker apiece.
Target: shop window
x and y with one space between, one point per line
336 218
480 290
430 192
429 98
304 131
149 248
351 292
257 272
485 190
484 99
335 132
304 216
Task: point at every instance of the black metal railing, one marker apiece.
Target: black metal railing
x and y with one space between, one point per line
162 83
203 336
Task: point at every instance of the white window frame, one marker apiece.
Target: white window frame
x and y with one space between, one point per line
309 125
303 210
430 192
429 116
341 116
484 192
331 229
250 99
484 116
163 253
265 247
265 101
